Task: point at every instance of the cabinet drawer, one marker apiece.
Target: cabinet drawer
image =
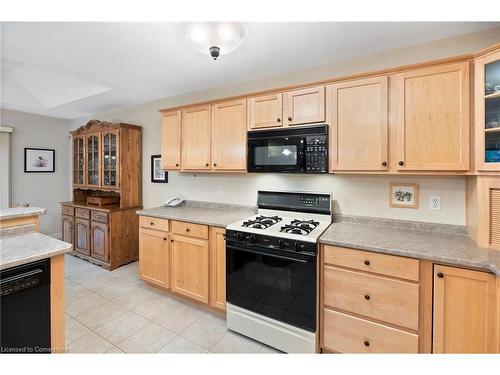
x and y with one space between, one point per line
99 216
82 212
190 229
68 210
389 265
153 223
376 297
348 334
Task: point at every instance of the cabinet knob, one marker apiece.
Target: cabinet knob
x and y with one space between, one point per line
366 343
188 230
289 119
206 164
440 275
152 223
215 164
401 162
278 119
176 164
367 262
171 240
164 238
367 297
384 163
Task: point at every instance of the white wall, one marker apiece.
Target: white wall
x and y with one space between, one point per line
355 195
40 189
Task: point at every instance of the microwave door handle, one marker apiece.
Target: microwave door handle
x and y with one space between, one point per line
268 255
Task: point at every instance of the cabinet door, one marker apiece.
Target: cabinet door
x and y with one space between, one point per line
82 236
357 115
229 135
190 262
304 106
265 111
99 241
196 138
79 161
432 120
171 140
464 309
93 167
154 257
218 268
110 159
67 228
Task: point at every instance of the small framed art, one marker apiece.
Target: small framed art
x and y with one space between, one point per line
39 160
157 173
403 195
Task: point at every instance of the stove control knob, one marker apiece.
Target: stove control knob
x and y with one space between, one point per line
298 246
252 238
281 243
239 236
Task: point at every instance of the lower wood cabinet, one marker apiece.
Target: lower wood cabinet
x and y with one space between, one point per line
190 267
464 311
68 226
99 241
186 258
154 256
82 236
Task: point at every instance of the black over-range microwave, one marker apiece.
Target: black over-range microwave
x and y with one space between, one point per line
291 150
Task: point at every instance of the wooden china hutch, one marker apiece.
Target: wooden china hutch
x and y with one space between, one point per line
100 221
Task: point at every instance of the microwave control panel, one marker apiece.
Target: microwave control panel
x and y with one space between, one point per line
316 154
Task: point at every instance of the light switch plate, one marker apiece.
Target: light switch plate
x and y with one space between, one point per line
434 202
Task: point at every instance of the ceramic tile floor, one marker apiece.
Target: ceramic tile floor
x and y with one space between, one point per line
116 312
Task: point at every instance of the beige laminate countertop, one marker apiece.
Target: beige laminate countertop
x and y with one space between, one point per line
438 247
218 215
27 248
14 212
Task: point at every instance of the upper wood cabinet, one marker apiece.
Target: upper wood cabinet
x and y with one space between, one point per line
93 147
195 131
487 111
265 111
304 106
229 135
79 161
432 119
464 311
357 112
171 140
111 159
154 256
218 268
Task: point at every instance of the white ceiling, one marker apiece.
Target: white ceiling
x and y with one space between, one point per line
76 69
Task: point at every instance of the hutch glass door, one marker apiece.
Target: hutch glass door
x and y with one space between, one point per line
78 161
93 160
492 113
110 159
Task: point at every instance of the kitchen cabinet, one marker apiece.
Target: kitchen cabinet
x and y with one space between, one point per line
154 256
229 135
218 268
110 159
99 241
67 232
79 161
358 119
304 106
93 147
265 111
190 267
82 236
195 130
432 118
487 111
464 311
171 140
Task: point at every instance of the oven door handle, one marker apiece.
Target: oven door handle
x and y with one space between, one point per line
269 255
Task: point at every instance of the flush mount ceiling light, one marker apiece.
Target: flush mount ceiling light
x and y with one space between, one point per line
214 38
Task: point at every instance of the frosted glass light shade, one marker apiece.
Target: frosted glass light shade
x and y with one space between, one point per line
202 35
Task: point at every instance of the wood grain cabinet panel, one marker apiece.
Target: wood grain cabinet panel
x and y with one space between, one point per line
99 237
154 257
82 236
464 311
171 140
349 334
67 232
304 106
375 297
229 135
153 223
432 120
265 111
196 138
218 268
190 267
358 118
189 229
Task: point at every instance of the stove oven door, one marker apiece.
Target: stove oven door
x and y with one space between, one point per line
273 283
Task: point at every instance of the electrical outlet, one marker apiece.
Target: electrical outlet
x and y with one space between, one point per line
434 202
220 191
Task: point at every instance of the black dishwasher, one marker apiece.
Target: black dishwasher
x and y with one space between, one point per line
25 308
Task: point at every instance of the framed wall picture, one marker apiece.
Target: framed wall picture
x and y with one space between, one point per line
403 195
157 173
39 160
